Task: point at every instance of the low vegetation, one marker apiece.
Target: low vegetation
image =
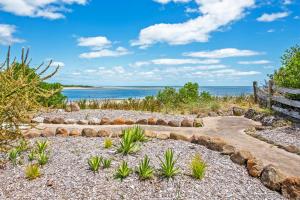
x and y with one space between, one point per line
13 155
128 144
94 163
107 143
43 158
144 170
198 167
106 163
32 171
123 171
41 146
167 165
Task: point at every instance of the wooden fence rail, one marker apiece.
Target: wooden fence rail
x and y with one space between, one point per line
273 95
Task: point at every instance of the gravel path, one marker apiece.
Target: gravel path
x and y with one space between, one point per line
284 136
71 178
113 114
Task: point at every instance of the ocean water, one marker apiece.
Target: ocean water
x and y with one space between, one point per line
140 92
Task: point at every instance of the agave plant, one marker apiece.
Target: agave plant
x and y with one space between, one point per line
107 143
198 167
23 145
94 163
41 146
32 171
31 155
168 168
123 171
144 170
13 155
138 134
43 158
106 163
127 144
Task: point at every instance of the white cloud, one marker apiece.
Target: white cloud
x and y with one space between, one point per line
170 61
51 9
287 2
272 17
95 43
214 14
256 62
191 10
271 31
222 53
226 73
100 46
139 64
57 63
168 1
6 35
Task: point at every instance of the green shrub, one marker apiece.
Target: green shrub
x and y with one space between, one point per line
123 171
41 146
168 97
127 144
13 155
23 145
189 93
43 158
198 167
138 134
107 143
167 165
144 169
94 163
106 163
31 155
32 171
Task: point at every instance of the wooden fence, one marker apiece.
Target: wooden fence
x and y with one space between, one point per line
275 99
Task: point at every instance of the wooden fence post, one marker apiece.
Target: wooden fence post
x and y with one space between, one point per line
255 91
270 94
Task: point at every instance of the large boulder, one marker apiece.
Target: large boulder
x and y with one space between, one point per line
82 122
238 111
75 132
47 120
174 123
58 120
241 157
181 136
198 122
129 122
272 177
94 121
105 121
250 113
32 133
163 135
142 121
228 149
74 107
62 131
212 143
152 121
119 121
103 133
290 188
255 167
47 132
89 132
187 123
161 122
70 121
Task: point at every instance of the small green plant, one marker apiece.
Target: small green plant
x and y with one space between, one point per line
94 163
198 167
108 143
23 145
32 171
43 158
138 134
31 155
144 169
168 168
13 155
106 163
127 144
123 171
41 146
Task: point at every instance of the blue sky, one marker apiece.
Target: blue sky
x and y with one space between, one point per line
152 42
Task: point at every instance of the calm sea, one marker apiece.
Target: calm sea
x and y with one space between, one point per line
139 92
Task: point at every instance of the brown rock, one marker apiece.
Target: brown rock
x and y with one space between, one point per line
83 122
255 167
271 177
174 123
161 122
150 134
238 111
89 132
62 131
75 132
118 121
228 149
129 122
198 122
47 120
241 157
105 121
142 121
212 114
187 123
32 133
152 121
163 136
290 188
103 133
47 132
181 136
58 120
50 183
216 144
94 121
74 107
292 149
70 121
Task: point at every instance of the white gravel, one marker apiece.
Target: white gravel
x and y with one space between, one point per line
68 170
113 114
284 136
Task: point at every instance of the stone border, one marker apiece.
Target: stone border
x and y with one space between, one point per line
197 122
269 175
289 148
